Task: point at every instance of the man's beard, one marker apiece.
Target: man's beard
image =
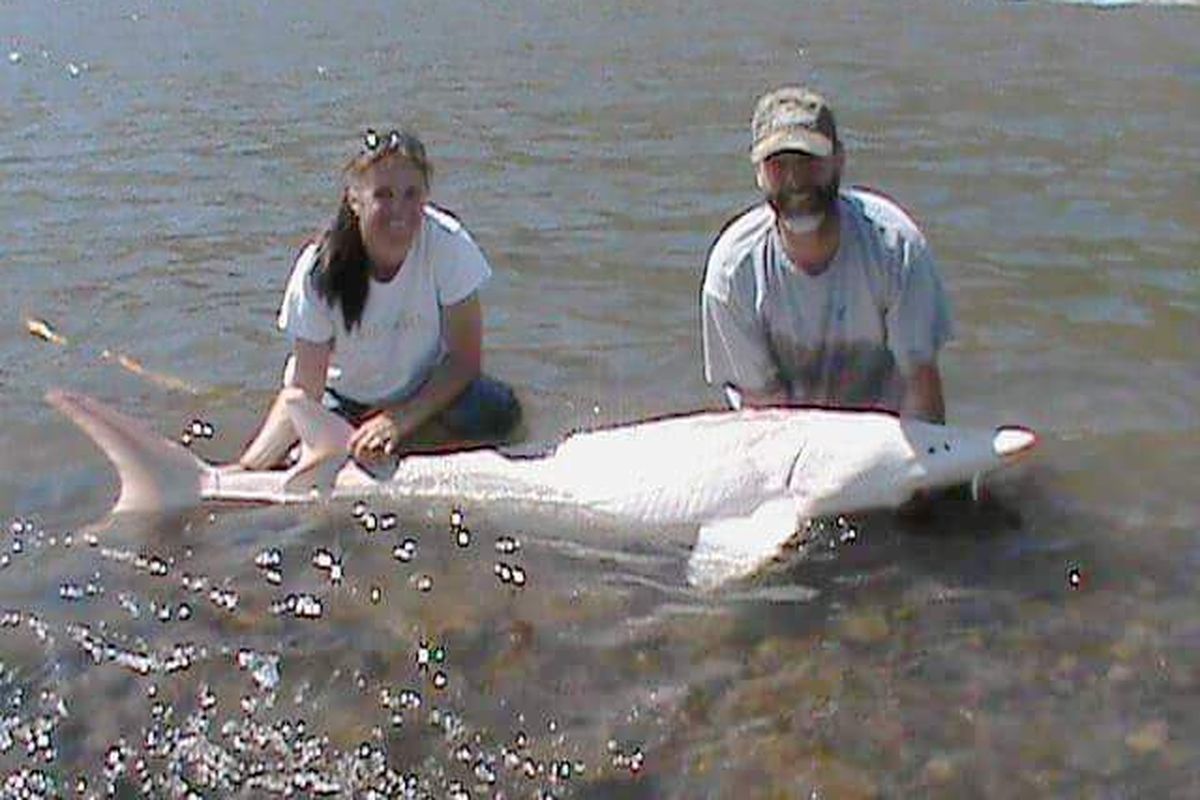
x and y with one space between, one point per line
803 211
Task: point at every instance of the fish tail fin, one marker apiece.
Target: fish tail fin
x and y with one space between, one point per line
156 474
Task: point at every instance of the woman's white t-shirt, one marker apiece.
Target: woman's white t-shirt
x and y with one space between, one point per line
399 338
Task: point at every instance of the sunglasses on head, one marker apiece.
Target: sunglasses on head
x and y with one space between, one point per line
373 140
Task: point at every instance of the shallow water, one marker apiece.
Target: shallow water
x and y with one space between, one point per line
162 161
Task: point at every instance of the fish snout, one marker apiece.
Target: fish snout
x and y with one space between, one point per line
1013 441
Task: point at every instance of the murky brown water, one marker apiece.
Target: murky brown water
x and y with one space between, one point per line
161 161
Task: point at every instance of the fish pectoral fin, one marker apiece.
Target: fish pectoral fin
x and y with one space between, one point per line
733 547
316 470
319 429
324 443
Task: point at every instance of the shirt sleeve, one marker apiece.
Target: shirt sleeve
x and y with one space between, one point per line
919 320
304 314
736 351
461 268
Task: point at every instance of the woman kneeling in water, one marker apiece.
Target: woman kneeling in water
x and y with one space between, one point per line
385 306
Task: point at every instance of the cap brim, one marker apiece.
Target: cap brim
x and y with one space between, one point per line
803 140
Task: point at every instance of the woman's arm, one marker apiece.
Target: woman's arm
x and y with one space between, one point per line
462 364
276 434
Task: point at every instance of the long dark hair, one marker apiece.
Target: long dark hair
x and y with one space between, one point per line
342 275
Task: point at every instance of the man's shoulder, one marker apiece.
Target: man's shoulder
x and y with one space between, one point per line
738 239
884 216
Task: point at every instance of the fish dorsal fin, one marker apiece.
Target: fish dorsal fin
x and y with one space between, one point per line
733 547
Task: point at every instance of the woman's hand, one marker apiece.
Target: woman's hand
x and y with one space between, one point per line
380 435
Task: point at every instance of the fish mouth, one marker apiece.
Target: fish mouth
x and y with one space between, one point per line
1013 441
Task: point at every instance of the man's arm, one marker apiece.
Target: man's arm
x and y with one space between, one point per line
735 351
923 394
918 325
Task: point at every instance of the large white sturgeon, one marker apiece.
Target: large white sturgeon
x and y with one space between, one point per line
747 478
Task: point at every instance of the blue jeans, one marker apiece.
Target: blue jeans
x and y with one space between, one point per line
487 410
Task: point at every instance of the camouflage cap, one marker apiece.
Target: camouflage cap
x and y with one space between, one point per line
792 118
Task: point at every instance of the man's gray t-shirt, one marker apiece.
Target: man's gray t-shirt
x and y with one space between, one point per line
845 337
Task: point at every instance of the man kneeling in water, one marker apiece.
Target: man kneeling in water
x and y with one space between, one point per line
819 295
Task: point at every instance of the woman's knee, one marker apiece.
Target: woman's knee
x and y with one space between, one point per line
487 409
